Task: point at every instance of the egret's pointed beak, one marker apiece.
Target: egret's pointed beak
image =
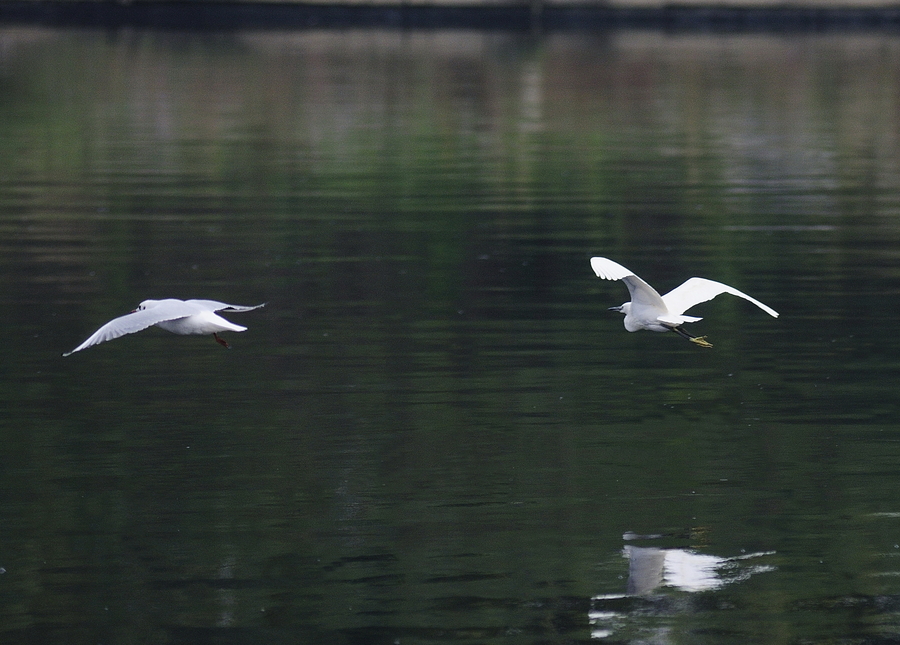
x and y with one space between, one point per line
619 309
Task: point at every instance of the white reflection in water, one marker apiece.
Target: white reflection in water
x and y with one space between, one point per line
653 568
225 596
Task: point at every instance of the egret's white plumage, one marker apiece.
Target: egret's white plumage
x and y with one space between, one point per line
648 310
182 317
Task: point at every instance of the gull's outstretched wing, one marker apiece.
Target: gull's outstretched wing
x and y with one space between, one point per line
133 322
697 290
642 294
215 305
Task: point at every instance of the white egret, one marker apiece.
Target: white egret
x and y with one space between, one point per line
648 310
182 317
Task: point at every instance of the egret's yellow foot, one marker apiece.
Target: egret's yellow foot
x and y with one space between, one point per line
700 340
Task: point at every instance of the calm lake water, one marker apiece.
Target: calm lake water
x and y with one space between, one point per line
435 432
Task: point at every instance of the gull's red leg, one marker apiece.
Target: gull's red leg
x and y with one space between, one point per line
221 341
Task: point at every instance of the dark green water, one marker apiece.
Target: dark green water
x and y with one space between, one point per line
435 432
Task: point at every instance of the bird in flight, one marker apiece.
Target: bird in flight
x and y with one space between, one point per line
648 310
182 317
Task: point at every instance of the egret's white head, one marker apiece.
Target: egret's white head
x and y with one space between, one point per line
622 309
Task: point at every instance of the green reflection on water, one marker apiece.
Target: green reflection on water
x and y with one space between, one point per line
435 431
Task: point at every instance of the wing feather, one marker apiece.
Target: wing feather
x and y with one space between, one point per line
642 294
697 290
128 324
215 305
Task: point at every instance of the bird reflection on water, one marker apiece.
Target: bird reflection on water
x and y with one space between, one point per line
651 570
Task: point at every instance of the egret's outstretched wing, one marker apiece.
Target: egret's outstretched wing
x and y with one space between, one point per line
697 290
215 305
131 323
642 294
609 270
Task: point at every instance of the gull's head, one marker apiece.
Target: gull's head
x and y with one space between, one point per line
622 309
146 305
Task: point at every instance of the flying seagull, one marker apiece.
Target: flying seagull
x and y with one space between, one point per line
182 317
648 310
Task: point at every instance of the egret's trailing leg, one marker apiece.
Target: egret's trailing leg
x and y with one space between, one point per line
697 340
